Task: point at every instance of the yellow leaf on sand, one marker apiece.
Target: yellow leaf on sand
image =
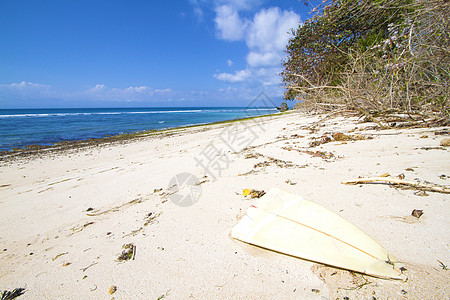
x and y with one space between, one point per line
247 192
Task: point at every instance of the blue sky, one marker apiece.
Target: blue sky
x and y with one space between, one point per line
110 53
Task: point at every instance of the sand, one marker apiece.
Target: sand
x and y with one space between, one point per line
65 216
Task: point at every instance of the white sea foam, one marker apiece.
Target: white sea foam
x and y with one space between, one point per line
164 111
100 113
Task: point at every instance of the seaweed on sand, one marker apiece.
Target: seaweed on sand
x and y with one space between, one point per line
8 295
128 253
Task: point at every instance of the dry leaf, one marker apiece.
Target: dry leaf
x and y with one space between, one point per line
112 289
445 142
417 213
247 192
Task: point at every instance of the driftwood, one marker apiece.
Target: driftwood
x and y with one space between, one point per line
424 186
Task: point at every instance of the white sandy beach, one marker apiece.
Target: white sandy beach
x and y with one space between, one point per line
65 217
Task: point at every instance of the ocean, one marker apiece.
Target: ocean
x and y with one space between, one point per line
21 127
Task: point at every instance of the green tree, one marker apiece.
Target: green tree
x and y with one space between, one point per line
284 107
318 50
376 57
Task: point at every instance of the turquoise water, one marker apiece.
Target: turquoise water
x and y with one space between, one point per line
21 127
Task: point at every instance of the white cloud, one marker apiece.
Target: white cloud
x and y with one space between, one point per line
229 62
98 87
198 11
265 35
240 4
31 93
255 59
238 76
132 93
229 25
25 90
25 85
268 35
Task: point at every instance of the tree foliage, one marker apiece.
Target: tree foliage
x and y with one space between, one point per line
371 55
283 107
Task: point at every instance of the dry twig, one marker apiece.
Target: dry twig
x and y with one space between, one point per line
413 184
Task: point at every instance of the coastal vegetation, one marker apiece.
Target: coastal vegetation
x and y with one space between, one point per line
386 60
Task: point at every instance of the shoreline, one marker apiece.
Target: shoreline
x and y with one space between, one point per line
65 219
29 151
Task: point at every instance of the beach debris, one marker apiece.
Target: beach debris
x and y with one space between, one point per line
359 282
9 295
117 208
157 190
90 209
247 192
424 136
290 182
445 142
409 169
443 176
80 228
84 269
253 193
257 194
163 296
417 213
151 218
61 254
423 186
385 175
421 193
338 137
401 176
327 156
322 154
66 264
252 155
247 173
275 161
112 289
442 265
322 140
128 253
205 179
442 132
430 148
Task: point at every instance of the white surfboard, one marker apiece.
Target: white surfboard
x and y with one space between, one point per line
284 222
